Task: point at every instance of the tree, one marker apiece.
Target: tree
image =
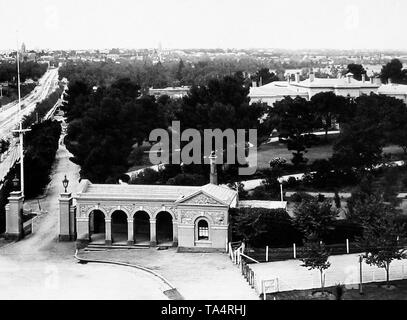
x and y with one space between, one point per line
380 234
361 141
393 71
316 256
295 121
264 76
328 107
357 70
314 218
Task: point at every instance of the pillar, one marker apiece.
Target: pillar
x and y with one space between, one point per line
108 230
72 221
14 222
153 237
175 233
66 232
130 232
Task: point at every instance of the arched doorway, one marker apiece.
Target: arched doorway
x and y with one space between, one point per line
164 228
141 228
97 227
119 227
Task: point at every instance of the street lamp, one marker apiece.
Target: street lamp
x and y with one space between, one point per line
280 180
65 183
15 182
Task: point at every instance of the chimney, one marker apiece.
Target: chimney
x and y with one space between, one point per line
254 84
213 177
349 77
389 81
297 77
311 77
261 82
371 80
363 78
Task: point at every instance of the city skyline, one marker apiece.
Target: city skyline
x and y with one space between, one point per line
222 24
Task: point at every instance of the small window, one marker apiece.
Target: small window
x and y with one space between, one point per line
203 230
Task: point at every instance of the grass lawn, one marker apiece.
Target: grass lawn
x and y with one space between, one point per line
268 151
371 291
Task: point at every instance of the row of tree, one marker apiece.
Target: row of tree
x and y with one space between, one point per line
41 144
28 70
106 125
159 75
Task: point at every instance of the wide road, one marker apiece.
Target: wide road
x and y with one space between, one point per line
40 267
10 115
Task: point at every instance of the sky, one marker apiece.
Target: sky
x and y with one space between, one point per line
290 24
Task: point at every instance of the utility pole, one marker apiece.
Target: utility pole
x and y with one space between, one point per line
20 131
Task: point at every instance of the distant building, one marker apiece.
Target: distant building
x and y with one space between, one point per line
344 86
398 91
172 92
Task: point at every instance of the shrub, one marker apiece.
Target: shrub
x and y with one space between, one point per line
261 227
300 196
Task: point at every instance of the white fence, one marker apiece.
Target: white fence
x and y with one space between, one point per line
288 275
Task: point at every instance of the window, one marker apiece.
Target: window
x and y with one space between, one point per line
203 230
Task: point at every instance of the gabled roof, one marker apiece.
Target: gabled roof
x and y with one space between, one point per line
223 195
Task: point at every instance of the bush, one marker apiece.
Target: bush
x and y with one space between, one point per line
300 196
342 230
261 227
291 183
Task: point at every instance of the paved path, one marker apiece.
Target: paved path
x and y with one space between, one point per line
206 276
40 267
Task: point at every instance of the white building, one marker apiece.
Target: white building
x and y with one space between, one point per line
344 86
398 91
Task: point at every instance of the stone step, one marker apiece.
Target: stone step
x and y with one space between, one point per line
116 246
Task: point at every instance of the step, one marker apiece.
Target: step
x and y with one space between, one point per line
116 246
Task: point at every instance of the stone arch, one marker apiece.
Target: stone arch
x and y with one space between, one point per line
144 209
203 216
164 226
91 209
165 209
119 228
97 225
119 208
141 227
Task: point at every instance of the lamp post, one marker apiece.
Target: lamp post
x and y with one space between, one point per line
280 180
15 182
65 183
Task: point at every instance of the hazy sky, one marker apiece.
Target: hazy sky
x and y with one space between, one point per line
80 24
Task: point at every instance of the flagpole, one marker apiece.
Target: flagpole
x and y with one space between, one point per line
20 131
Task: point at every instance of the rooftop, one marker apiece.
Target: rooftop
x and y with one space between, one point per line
154 192
347 82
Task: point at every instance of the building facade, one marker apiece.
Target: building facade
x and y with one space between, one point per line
189 217
344 86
